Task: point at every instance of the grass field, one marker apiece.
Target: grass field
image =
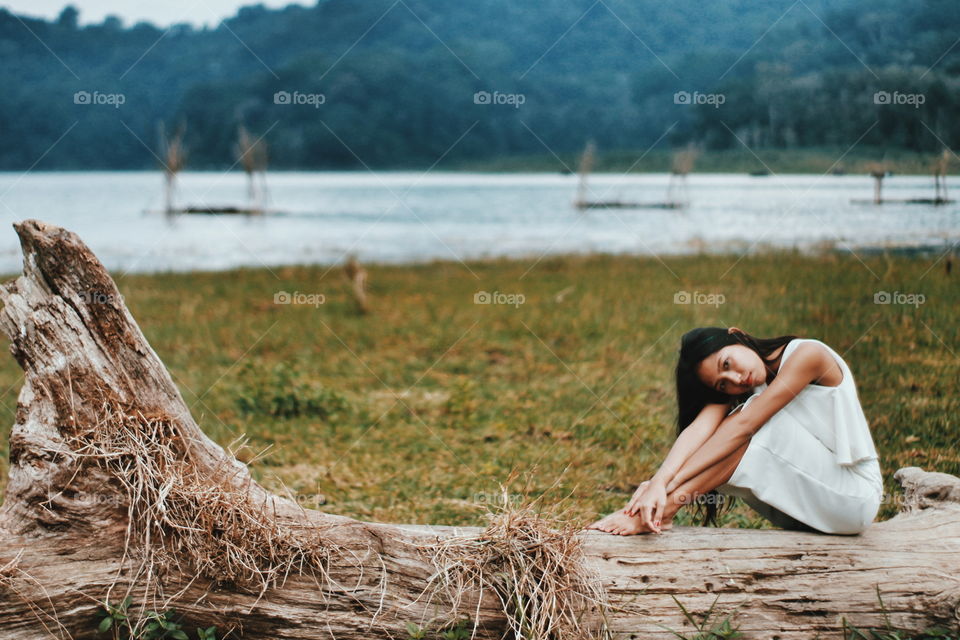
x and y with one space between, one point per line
417 412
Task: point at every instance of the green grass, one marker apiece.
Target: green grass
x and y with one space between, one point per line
417 412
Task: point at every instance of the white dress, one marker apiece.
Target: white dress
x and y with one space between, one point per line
813 465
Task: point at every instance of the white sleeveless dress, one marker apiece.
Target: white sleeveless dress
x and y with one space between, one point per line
813 465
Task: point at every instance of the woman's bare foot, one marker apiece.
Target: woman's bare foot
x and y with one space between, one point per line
621 524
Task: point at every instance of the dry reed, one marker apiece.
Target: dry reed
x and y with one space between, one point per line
209 526
206 525
535 566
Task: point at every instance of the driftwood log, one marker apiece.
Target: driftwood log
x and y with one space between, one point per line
73 535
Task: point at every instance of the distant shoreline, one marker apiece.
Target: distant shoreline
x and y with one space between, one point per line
760 162
812 253
815 161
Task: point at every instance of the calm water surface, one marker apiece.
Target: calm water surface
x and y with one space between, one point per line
405 217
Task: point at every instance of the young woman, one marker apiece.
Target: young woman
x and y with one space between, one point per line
776 422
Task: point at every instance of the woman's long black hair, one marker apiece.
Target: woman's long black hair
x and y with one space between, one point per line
693 395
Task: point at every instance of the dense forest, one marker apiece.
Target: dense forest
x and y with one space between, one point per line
405 83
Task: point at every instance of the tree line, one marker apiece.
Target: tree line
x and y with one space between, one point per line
348 84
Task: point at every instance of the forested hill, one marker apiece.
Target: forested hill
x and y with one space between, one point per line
400 83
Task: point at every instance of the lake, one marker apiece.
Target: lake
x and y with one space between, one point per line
411 216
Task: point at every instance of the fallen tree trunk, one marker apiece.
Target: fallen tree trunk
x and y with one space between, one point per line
114 490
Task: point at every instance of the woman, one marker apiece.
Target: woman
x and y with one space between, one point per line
774 421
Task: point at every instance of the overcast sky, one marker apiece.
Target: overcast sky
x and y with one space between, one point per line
162 13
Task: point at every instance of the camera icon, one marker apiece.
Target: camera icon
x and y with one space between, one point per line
282 297
482 97
81 97
482 297
881 97
681 97
281 97
882 297
682 297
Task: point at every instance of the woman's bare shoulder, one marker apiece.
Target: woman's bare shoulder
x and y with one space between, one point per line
812 359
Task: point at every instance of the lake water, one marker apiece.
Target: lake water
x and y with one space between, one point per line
409 216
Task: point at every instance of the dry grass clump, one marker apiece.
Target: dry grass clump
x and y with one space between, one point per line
534 564
203 524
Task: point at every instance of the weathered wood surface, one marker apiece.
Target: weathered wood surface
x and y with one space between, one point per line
62 523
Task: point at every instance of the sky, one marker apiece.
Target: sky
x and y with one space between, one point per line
163 13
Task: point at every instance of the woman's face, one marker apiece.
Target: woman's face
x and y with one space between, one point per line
734 369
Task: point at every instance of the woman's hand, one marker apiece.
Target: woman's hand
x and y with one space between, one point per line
629 510
649 502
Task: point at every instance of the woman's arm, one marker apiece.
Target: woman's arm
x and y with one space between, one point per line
807 364
689 440
650 497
